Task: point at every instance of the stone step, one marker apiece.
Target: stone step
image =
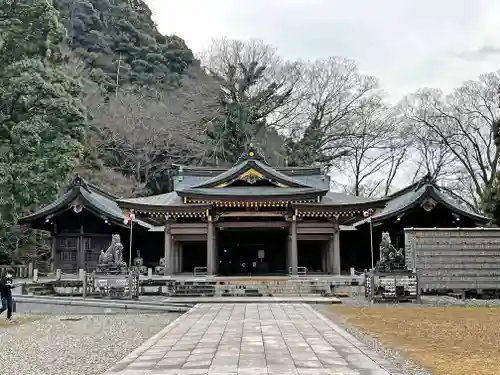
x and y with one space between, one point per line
251 288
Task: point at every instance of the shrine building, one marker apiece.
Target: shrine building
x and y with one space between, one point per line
251 219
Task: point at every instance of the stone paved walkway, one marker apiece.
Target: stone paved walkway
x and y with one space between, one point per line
253 339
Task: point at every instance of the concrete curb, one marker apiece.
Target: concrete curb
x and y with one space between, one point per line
107 300
103 304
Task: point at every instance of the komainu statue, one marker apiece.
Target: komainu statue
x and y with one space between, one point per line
111 260
390 258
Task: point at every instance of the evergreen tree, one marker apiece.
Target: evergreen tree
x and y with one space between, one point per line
121 45
42 119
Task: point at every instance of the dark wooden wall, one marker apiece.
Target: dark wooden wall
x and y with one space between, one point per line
79 239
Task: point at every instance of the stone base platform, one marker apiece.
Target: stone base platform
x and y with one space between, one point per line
181 286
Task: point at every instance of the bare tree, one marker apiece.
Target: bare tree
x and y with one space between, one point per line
377 150
331 92
463 122
430 156
139 134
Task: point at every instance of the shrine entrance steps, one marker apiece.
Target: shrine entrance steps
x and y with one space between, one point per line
189 286
251 287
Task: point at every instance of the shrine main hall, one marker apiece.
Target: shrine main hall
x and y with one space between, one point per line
247 220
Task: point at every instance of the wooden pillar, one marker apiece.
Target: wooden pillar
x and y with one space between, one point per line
173 256
328 255
336 250
210 247
171 265
216 251
53 250
289 251
294 250
324 254
179 256
167 251
80 251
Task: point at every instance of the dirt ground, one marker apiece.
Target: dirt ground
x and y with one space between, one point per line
445 340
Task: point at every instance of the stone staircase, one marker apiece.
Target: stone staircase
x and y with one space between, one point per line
249 288
219 287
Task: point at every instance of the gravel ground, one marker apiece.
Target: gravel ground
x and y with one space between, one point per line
392 355
51 346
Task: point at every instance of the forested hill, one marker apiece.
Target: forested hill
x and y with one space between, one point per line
75 84
121 45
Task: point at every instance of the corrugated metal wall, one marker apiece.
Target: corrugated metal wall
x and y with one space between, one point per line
454 258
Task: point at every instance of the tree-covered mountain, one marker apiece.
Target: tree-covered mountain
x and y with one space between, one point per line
121 45
43 122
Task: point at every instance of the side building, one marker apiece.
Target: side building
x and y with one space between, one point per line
81 222
422 204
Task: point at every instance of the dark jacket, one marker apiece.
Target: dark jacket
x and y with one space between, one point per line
6 287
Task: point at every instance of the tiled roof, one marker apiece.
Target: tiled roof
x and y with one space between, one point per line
246 165
415 194
319 181
167 199
251 191
333 198
294 177
93 199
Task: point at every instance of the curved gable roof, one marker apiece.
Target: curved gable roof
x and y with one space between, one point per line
231 175
93 199
414 195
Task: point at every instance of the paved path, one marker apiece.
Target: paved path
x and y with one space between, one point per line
253 339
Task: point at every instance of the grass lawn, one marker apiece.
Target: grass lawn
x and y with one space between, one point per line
445 340
16 320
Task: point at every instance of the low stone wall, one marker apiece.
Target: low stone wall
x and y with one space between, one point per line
90 303
209 288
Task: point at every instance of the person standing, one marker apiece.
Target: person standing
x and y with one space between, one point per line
6 286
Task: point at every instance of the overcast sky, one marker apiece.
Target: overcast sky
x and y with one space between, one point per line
407 44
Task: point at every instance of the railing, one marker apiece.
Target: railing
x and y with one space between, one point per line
200 271
21 271
301 271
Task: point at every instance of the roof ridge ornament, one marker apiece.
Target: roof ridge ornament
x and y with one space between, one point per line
79 181
426 180
252 153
